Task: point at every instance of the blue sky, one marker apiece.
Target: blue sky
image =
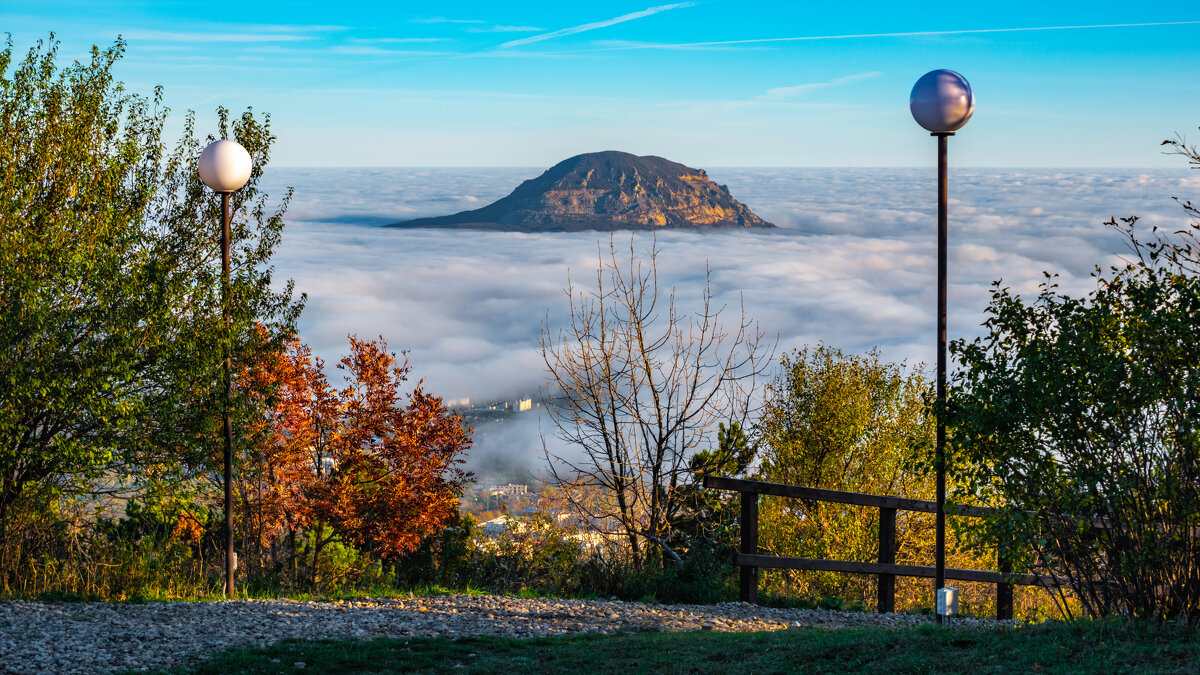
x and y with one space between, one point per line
707 83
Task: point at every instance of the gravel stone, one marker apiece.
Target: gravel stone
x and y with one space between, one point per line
38 637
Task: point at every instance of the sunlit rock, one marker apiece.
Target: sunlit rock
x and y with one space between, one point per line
608 190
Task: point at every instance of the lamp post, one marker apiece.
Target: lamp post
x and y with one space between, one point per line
225 167
941 102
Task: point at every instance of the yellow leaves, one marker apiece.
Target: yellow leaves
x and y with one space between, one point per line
187 528
847 422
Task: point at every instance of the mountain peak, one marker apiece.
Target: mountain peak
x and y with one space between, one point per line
607 190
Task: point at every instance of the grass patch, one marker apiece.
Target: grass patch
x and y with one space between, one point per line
1084 647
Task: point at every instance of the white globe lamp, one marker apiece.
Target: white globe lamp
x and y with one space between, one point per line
224 166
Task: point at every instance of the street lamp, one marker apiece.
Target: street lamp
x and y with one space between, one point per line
225 167
941 102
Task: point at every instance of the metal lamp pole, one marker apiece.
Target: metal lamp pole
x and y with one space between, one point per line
225 167
941 102
939 579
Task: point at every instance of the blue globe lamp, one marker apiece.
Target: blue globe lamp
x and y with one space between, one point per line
942 101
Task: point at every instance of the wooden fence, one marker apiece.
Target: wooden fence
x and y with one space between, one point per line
886 569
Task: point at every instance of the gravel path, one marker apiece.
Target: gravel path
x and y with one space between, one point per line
37 637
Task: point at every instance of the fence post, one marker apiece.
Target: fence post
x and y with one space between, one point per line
749 574
1004 590
887 554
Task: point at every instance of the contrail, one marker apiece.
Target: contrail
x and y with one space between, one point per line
911 34
597 24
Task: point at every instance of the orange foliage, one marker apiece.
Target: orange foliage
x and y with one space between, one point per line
364 463
187 528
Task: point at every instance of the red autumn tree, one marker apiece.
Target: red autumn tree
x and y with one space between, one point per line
395 478
290 447
366 464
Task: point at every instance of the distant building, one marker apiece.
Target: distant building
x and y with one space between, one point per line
509 490
524 404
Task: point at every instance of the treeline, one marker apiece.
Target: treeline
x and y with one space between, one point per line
1076 418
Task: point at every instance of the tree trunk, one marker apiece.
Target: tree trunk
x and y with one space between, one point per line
317 546
294 554
4 537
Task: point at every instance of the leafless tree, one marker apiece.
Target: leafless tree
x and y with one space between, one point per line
636 387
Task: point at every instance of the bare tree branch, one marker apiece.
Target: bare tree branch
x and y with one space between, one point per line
637 387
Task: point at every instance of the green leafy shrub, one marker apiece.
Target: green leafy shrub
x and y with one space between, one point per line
109 307
1079 419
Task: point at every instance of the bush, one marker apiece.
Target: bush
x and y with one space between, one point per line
704 578
855 423
1079 418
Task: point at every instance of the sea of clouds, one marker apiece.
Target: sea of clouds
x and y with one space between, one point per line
852 263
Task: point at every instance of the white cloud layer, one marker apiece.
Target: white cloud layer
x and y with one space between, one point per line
852 263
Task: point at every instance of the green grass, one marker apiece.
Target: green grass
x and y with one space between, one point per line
1084 647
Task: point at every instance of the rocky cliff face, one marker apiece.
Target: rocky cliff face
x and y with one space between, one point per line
606 190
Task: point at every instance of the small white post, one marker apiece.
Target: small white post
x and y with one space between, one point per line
947 601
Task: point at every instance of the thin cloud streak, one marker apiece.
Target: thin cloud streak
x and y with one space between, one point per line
610 45
370 50
478 25
171 36
928 33
778 93
442 19
392 41
237 32
504 29
283 27
650 11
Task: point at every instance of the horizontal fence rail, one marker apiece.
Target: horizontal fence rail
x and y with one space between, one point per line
822 565
835 496
749 560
